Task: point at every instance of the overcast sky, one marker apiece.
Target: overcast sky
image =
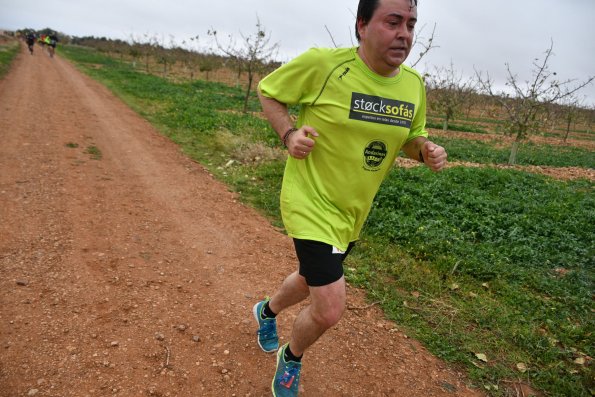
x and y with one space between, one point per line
480 34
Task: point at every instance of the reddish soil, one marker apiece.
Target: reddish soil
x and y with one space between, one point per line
127 270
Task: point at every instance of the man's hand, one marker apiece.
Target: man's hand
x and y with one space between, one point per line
299 143
434 156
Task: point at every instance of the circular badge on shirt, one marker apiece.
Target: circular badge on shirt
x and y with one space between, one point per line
374 154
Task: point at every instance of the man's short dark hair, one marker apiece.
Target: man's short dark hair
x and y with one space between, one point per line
365 12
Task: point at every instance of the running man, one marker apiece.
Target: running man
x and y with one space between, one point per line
51 41
358 108
30 40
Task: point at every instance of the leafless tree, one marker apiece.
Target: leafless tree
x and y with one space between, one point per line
189 55
165 53
426 45
447 92
570 112
143 46
208 62
526 107
590 118
253 55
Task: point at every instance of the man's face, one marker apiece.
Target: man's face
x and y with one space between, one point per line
387 38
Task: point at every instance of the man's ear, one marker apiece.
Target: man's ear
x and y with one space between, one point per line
361 27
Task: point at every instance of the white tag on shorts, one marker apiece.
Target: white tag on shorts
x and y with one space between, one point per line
337 251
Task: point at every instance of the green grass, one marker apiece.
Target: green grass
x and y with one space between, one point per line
456 127
464 119
501 263
492 152
94 152
469 261
584 135
7 54
487 125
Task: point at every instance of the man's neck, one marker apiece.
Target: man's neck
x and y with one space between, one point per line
385 73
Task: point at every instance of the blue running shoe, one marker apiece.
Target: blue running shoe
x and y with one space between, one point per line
267 329
287 376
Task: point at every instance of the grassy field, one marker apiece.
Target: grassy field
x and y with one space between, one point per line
8 51
580 130
492 152
493 270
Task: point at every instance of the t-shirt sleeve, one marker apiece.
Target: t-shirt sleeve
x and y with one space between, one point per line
418 125
295 82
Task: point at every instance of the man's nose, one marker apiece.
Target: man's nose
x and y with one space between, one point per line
404 32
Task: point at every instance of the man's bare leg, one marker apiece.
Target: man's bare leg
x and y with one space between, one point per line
325 310
293 290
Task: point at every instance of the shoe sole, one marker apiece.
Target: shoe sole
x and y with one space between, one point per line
256 314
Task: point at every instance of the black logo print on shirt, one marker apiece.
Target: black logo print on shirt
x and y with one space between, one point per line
374 154
375 109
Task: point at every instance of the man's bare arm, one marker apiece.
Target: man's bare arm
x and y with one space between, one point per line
276 113
299 142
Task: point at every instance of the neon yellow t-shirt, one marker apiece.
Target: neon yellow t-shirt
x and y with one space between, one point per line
363 119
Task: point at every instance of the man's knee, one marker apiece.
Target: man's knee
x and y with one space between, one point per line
330 315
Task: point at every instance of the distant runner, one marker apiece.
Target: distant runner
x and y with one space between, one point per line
50 40
53 42
30 39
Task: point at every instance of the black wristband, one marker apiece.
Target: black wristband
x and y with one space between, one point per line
287 134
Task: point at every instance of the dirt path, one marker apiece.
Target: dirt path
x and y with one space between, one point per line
134 273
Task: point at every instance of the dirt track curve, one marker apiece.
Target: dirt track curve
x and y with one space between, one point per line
134 274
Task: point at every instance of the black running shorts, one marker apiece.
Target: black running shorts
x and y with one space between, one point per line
318 264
